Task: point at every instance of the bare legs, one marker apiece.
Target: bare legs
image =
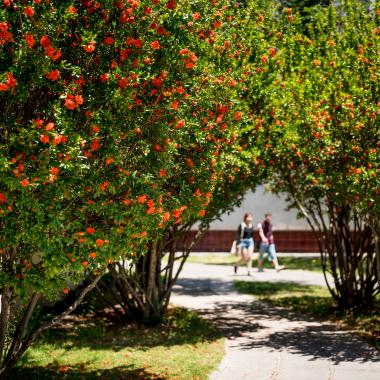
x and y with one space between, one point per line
272 256
245 258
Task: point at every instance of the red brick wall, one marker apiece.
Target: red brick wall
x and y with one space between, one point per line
286 241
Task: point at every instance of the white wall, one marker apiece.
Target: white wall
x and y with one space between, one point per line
258 203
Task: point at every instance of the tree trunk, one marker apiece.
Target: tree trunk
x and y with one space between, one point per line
5 314
21 343
144 289
348 251
375 228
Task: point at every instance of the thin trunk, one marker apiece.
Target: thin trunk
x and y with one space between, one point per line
5 314
375 228
152 271
186 254
152 312
22 327
20 350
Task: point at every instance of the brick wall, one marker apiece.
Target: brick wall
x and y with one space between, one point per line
286 241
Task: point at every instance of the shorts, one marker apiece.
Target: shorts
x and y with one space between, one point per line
268 248
246 243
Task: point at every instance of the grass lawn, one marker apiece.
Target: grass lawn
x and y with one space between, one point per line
305 263
315 301
185 347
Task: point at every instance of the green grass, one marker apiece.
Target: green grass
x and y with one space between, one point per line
305 263
317 302
184 347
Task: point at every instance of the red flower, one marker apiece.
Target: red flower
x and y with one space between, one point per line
65 290
180 124
171 4
272 51
2 198
24 182
95 145
3 87
104 77
264 59
56 55
141 199
109 40
79 100
85 263
237 115
90 47
45 41
30 40
155 45
44 139
49 127
5 35
69 104
138 43
54 170
11 81
99 242
90 230
53 75
93 255
59 139
109 161
166 217
151 210
163 173
29 11
72 10
72 101
123 82
104 185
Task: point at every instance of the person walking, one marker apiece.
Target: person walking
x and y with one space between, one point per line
267 245
244 242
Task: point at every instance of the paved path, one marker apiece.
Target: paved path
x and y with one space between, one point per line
267 343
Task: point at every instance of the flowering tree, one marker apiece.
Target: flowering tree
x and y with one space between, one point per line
119 120
322 139
211 171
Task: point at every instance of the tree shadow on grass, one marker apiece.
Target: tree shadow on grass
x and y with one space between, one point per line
86 340
181 327
80 372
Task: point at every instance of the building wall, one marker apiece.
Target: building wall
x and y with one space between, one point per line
258 203
291 234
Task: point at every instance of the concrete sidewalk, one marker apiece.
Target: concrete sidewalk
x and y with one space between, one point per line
268 343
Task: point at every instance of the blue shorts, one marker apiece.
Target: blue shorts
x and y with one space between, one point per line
246 243
268 248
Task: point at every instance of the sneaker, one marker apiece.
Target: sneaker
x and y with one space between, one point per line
280 268
235 269
261 270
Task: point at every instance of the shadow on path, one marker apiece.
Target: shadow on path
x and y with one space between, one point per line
259 325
